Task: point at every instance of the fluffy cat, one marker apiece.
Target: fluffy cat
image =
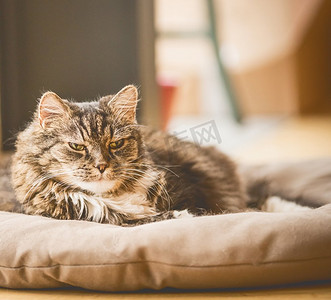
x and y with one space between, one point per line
92 161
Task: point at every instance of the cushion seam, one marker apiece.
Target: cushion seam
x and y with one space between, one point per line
167 264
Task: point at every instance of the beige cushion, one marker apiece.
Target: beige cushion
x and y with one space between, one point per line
234 250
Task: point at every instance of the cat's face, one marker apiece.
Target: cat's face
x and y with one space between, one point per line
94 146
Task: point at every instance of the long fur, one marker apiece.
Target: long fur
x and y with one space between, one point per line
152 176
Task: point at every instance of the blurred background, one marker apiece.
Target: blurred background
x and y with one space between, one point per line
250 77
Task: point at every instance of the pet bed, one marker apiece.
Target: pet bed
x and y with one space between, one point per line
234 250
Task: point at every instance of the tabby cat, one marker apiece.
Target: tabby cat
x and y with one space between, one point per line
92 161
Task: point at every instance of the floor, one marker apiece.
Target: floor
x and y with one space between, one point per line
319 292
292 139
260 140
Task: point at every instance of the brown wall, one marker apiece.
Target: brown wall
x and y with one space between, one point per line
313 65
292 76
77 48
268 89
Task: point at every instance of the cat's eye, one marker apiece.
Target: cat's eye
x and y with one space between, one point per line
76 147
116 144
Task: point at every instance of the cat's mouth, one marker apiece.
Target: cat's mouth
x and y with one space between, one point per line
99 177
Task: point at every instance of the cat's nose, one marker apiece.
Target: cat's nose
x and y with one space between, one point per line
101 167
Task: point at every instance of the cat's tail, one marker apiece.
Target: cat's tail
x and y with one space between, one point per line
306 183
8 201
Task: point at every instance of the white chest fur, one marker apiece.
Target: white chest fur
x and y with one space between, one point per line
97 187
132 205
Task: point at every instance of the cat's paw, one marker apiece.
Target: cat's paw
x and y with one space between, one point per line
181 214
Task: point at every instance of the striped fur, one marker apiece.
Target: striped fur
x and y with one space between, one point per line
148 178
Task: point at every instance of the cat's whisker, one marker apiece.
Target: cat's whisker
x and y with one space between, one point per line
123 182
159 166
166 197
140 172
40 180
133 125
130 162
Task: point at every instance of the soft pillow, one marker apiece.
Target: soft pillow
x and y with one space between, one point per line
233 250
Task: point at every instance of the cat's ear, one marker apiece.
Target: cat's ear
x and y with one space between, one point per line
51 107
124 104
